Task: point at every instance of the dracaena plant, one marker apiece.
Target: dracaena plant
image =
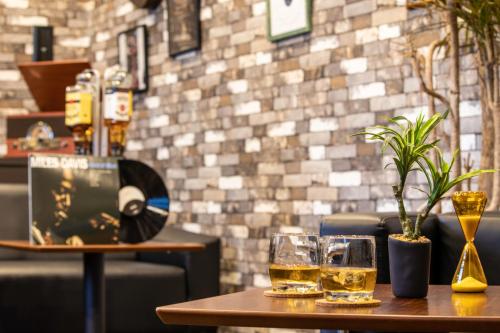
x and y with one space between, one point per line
410 143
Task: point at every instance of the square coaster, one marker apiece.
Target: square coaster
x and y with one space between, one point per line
347 304
277 294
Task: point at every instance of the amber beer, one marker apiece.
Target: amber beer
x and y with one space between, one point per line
294 278
351 283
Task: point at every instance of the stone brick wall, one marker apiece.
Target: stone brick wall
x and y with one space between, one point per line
70 20
254 137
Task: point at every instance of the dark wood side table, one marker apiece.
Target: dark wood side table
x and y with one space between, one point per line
93 270
441 311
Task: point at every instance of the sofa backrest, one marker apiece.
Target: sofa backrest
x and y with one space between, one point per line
443 230
202 267
361 224
380 225
14 216
452 241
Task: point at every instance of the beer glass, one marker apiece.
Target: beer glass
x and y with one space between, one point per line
294 263
348 267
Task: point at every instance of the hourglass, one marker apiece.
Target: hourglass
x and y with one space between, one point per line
469 276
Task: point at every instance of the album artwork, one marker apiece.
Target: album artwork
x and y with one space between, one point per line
73 199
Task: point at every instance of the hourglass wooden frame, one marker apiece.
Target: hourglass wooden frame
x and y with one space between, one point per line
469 275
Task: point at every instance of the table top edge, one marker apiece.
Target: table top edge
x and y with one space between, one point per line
150 246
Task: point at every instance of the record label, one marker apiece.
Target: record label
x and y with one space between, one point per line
131 200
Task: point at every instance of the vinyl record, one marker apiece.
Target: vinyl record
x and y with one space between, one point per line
143 202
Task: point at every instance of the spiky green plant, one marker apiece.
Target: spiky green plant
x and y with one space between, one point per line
439 182
410 143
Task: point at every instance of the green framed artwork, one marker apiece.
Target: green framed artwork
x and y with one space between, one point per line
288 18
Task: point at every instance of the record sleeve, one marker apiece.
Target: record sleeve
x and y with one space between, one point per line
73 199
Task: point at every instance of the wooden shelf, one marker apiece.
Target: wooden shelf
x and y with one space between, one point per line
47 81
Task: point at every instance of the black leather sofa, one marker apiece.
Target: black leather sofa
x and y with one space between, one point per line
43 292
444 232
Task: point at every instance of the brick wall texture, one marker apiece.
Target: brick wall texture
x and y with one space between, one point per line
251 136
72 40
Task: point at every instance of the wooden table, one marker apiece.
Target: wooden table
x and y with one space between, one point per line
93 270
441 311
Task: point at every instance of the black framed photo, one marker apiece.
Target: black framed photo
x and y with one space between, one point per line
150 4
183 26
288 18
133 56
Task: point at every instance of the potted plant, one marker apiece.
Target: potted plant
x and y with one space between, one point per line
410 252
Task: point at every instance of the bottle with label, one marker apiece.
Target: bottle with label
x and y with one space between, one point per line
117 110
78 114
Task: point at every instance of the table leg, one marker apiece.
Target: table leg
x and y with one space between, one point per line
94 288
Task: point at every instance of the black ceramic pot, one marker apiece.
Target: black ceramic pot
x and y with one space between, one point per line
409 266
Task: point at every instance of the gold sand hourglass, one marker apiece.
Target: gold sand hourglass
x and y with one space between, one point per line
469 276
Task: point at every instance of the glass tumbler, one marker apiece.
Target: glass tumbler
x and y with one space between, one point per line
294 263
348 267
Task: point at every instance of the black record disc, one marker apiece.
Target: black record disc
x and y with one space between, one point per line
143 202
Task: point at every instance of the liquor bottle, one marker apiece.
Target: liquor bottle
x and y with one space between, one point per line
117 109
78 114
90 78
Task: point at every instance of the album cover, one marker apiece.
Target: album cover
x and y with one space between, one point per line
73 199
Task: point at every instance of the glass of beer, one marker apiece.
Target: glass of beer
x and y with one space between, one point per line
294 263
348 267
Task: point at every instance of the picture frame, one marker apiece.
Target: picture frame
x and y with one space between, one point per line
133 56
184 34
288 18
149 4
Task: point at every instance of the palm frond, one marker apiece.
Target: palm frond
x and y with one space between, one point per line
409 141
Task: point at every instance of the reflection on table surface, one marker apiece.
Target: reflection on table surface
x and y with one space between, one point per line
469 304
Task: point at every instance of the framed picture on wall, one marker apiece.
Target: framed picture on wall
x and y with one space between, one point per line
133 56
150 4
183 26
288 18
